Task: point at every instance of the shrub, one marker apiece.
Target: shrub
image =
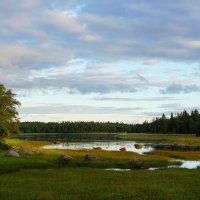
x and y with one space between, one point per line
4 146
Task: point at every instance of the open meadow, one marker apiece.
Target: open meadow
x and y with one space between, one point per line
39 174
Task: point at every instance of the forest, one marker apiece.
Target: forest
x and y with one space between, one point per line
183 123
180 123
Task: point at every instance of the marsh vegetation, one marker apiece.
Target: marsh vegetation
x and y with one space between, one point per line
39 174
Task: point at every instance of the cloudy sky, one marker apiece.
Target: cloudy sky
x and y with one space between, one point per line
107 60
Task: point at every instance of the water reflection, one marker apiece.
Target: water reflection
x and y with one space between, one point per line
188 164
118 169
104 145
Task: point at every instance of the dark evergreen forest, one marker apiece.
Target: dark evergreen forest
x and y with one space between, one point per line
180 123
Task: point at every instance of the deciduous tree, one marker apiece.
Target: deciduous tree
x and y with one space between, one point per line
9 121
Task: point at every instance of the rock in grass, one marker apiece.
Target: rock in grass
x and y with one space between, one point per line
138 164
13 153
138 146
92 158
123 149
97 148
64 159
138 161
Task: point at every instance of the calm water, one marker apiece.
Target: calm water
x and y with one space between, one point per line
69 137
115 146
104 145
188 164
118 169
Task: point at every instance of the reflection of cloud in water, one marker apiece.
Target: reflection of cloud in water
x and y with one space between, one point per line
105 145
189 164
118 169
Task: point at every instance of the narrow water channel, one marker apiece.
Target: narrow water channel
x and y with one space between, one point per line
186 164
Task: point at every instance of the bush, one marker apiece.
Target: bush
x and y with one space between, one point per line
4 146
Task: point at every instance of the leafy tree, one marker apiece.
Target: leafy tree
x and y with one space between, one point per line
9 121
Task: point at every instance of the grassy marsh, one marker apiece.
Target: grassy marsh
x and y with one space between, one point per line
182 139
40 175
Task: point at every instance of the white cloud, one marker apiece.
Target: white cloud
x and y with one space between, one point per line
152 62
64 21
92 38
73 109
26 55
18 54
100 47
191 44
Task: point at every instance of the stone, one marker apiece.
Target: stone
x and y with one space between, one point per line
122 149
97 148
92 158
138 146
56 142
64 159
138 161
13 153
138 164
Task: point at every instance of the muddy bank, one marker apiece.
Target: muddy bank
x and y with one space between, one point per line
174 147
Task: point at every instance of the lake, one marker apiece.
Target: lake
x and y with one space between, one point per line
67 137
104 145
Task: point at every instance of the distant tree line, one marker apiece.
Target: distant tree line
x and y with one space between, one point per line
75 127
182 123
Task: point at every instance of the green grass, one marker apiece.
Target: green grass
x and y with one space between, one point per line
42 177
45 160
88 183
112 159
186 139
184 155
39 161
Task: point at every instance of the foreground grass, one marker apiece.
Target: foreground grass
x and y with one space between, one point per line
41 177
88 183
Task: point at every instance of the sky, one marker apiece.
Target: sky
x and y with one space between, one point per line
90 60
